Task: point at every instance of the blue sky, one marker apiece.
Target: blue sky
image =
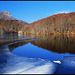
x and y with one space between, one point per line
31 11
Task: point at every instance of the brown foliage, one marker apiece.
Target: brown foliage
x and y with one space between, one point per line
58 23
7 26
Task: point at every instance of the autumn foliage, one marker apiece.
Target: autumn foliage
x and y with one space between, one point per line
55 24
10 26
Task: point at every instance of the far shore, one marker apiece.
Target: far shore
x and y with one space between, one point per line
5 40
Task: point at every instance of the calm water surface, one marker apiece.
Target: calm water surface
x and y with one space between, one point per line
48 47
52 47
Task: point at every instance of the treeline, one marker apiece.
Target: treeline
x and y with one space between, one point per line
58 23
10 26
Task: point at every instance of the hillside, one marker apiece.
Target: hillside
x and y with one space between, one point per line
9 24
58 23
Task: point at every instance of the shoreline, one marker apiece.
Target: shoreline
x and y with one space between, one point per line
5 40
14 64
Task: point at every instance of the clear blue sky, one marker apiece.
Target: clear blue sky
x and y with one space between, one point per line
31 11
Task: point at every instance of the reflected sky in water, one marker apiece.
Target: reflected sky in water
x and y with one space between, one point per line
47 47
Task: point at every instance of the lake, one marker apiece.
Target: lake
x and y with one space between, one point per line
49 47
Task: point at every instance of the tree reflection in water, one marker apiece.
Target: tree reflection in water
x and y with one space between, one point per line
56 43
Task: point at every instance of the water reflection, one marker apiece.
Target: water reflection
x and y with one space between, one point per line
6 39
52 47
56 43
13 64
15 45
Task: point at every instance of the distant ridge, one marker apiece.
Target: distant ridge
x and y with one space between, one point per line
6 15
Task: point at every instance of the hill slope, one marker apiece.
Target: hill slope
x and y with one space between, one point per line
58 23
9 24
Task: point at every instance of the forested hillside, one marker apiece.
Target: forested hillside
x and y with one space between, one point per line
10 26
58 23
